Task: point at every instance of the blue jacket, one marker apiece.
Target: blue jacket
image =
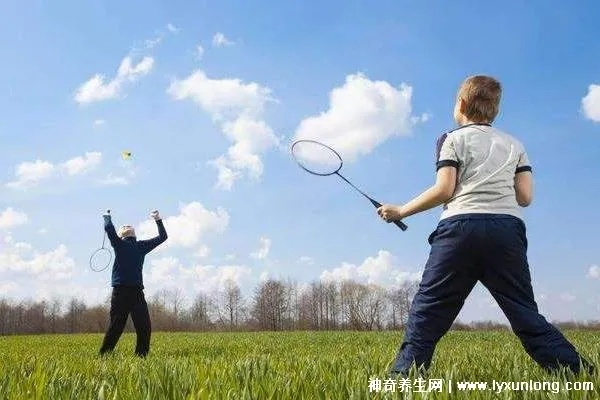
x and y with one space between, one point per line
130 253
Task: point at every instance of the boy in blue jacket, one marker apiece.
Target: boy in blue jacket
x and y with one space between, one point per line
128 295
483 178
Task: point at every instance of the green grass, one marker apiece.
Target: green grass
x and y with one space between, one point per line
298 365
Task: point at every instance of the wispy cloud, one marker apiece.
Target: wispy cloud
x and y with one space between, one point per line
238 107
590 104
220 40
381 269
191 227
22 258
10 218
263 251
31 173
98 88
594 272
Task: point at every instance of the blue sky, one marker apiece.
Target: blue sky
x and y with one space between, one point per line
265 68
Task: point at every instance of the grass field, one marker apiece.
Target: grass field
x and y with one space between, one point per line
298 365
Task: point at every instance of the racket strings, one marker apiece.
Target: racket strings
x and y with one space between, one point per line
319 159
101 258
316 158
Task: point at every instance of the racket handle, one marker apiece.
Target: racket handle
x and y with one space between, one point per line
401 225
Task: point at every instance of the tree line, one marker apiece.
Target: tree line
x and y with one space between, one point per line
274 305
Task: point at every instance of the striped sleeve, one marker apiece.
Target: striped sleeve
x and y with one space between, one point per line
445 153
523 165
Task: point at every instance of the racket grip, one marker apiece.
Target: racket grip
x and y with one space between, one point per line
401 225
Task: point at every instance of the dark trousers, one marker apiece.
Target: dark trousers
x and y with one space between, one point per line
491 249
125 301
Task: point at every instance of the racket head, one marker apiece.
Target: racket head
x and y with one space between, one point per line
316 158
100 259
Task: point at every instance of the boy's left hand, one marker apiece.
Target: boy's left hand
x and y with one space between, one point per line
390 212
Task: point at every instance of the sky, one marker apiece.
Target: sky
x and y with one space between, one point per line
208 97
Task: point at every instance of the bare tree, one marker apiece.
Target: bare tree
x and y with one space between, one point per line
74 314
199 313
275 305
270 305
5 309
232 303
363 305
400 299
175 303
54 314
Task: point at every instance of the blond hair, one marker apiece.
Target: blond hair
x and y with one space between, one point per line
481 95
126 231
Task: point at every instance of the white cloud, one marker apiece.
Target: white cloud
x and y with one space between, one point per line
590 104
594 272
90 294
156 40
381 269
9 218
263 251
238 107
42 231
222 98
420 118
97 88
219 40
251 137
362 114
20 257
163 271
173 29
210 278
125 177
82 165
153 42
202 252
190 227
31 173
99 122
199 52
206 278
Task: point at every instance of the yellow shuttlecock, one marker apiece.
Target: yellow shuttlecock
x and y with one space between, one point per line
126 155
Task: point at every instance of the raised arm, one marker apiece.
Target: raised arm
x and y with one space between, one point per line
109 228
148 245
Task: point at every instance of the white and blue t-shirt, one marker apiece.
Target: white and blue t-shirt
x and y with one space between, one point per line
487 160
